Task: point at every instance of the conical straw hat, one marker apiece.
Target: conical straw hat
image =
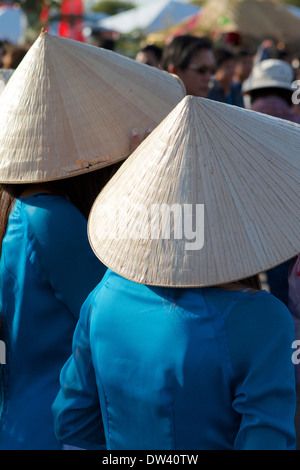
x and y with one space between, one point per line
228 174
70 107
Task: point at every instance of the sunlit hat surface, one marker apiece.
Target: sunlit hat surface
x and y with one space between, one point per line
211 196
69 108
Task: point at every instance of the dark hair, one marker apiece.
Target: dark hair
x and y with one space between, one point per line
243 53
252 282
156 50
221 55
181 50
16 55
271 91
81 190
106 43
282 54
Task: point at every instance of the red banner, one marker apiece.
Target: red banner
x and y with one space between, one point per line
71 23
44 16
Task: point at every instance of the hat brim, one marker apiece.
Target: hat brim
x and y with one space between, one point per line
267 84
69 108
238 165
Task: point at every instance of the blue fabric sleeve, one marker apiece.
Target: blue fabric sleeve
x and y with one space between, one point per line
264 386
66 259
76 409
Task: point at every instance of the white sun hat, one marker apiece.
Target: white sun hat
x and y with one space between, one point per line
269 73
209 197
70 107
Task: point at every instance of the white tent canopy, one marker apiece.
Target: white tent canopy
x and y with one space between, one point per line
156 16
294 10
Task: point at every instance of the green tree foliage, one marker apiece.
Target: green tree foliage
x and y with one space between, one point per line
33 9
35 6
199 3
296 3
112 7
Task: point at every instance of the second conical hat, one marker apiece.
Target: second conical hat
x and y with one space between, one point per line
210 197
70 107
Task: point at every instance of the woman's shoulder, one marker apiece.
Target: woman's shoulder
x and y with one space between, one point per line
51 216
39 202
262 309
248 306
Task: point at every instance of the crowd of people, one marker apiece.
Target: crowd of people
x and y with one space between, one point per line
129 341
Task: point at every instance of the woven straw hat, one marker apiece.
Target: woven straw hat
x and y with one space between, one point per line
269 73
230 177
70 107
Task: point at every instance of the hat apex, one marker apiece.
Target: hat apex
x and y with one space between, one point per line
210 197
69 108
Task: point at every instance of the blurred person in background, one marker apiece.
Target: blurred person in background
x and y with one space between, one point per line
13 56
223 87
150 55
270 90
243 66
192 59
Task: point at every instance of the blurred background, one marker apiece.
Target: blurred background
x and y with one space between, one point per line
127 25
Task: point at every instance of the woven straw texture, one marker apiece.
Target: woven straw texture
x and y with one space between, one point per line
256 19
70 107
241 165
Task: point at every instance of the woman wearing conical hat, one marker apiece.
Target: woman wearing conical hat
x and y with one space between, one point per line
66 117
178 347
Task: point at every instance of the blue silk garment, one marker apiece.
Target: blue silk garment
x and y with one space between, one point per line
177 369
47 270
